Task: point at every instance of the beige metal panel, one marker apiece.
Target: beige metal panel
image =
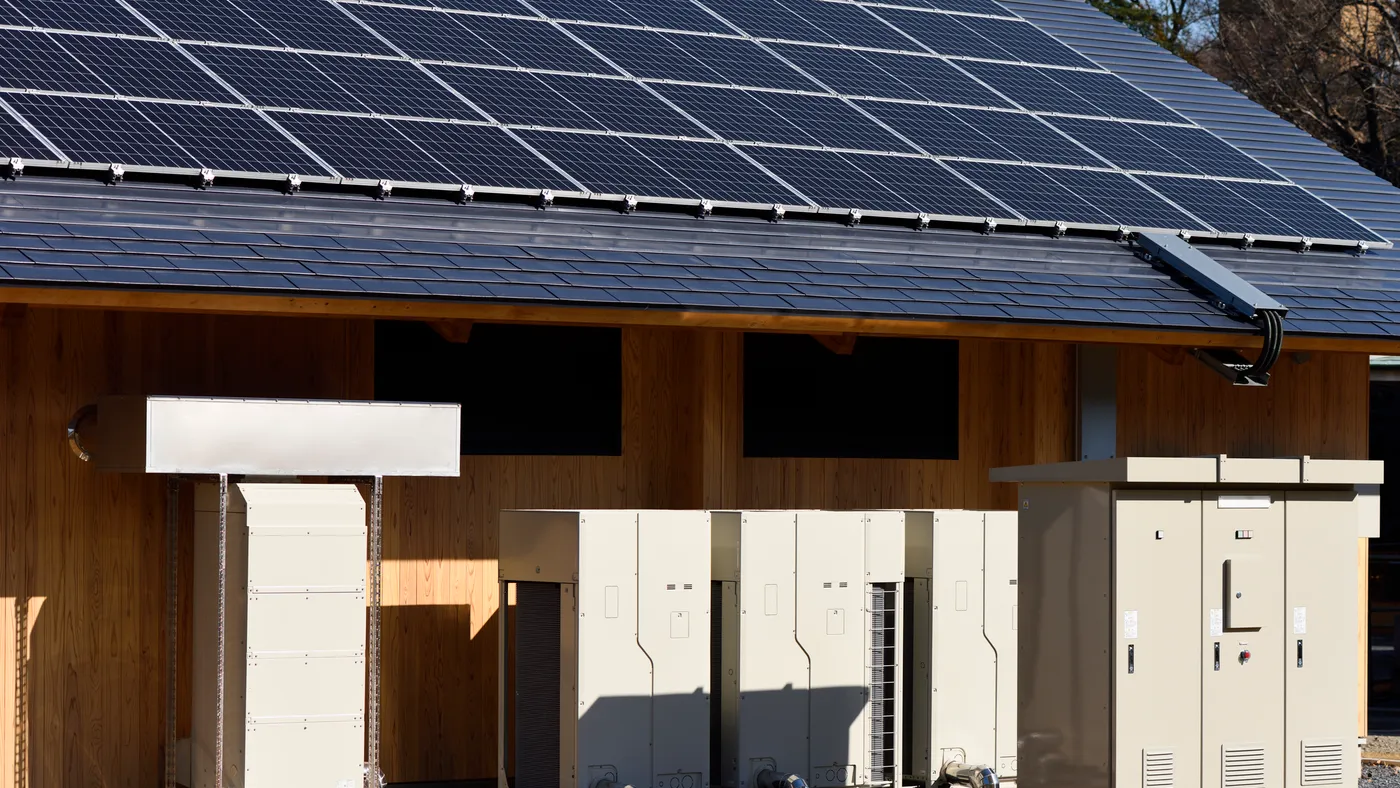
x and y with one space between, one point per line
1156 671
329 625
774 688
919 725
569 776
999 620
1242 704
305 689
320 559
201 435
1065 636
724 545
305 755
539 546
1343 471
831 629
918 544
673 628
1368 511
1146 470
1320 623
301 506
884 547
1253 470
614 674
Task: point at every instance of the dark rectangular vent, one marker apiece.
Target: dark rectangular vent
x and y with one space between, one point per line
537 685
884 672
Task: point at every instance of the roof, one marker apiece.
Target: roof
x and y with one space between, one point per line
72 232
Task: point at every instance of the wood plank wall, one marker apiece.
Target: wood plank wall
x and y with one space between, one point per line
87 551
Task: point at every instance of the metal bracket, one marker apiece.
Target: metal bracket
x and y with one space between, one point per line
629 203
16 167
922 221
778 212
705 208
853 218
989 226
292 184
383 190
1059 230
466 194
204 179
546 198
115 173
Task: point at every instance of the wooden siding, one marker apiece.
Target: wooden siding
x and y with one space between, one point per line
86 551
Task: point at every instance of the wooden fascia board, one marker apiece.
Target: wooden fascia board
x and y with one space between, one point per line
404 309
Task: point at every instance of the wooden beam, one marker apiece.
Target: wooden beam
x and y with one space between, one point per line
291 306
1172 355
455 331
840 344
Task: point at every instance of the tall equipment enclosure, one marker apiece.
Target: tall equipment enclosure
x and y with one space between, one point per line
294 684
808 606
1191 621
960 641
605 662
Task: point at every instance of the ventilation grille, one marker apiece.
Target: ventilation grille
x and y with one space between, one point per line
1244 767
1158 769
1322 763
883 673
537 669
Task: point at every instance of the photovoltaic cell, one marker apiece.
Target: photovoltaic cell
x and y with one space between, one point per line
97 16
392 87
482 155
1027 138
16 140
943 33
828 179
1301 211
483 6
151 69
359 147
927 185
969 6
100 130
833 122
769 20
1122 199
935 80
1206 152
735 114
1030 87
1026 42
223 138
516 97
623 105
1121 144
430 35
35 60
849 24
1032 193
586 11
646 54
937 130
313 24
741 62
673 14
205 20
1113 97
606 164
847 71
274 78
713 170
1216 203
534 44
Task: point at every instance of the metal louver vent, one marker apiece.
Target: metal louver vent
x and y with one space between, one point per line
1158 769
1322 763
1244 767
882 672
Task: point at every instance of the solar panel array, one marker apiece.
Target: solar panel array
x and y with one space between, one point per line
952 108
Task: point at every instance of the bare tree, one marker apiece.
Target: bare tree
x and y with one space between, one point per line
1182 27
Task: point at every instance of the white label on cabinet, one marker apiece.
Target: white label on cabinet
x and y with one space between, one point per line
1300 621
1217 622
1129 624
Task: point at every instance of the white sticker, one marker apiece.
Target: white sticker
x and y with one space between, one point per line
1300 621
1217 622
1129 624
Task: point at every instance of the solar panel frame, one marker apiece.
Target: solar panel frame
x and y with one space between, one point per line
1113 96
429 35
1123 199
948 85
275 78
928 185
534 44
100 130
1122 145
736 114
18 141
1206 152
206 20
1030 87
741 62
29 59
607 164
646 54
361 147
1025 42
225 138
828 179
392 87
623 105
1032 193
1217 204
713 170
140 67
96 16
673 14
849 24
482 155
314 24
833 122
937 130
1027 137
1303 212
480 6
769 20
965 6
944 34
845 71
604 11
517 97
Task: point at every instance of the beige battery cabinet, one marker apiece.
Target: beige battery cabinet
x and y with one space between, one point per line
960 618
807 647
605 662
294 665
1190 621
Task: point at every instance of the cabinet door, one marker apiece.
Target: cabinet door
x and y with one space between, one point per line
1320 621
1242 614
1157 677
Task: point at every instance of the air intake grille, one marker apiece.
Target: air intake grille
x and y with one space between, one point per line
883 674
1158 769
1244 767
1322 763
537 610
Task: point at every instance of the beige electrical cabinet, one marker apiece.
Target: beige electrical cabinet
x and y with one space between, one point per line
1190 621
807 607
294 666
605 662
960 640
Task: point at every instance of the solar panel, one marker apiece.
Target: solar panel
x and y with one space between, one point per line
151 69
958 80
16 140
97 16
392 87
100 130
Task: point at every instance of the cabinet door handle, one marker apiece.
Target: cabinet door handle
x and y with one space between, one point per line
1217 656
1130 658
1300 652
